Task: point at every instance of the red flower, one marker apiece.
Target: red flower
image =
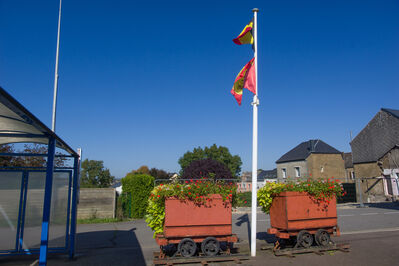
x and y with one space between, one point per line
245 201
161 185
189 193
186 181
158 196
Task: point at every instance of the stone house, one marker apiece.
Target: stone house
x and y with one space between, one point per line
265 176
375 153
311 159
349 171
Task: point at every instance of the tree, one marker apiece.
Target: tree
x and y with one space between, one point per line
207 168
6 160
160 174
154 172
28 161
95 175
141 170
220 154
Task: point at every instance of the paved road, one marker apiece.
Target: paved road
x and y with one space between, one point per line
373 233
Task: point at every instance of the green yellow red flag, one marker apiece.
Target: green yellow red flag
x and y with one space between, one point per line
245 79
246 36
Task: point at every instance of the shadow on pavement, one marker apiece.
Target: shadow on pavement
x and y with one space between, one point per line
384 205
112 247
270 239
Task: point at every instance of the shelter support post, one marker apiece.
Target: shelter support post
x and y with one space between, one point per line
76 167
47 202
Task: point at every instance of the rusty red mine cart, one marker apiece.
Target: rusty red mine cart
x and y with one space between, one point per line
298 217
190 227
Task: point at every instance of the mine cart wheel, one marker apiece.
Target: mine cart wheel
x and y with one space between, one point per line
322 237
210 246
304 239
187 247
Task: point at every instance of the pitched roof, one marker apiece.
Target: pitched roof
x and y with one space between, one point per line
378 137
303 150
391 111
267 174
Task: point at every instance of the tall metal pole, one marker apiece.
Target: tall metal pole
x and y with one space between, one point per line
56 71
255 104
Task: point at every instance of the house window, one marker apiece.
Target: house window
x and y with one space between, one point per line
352 175
284 171
243 185
297 171
322 169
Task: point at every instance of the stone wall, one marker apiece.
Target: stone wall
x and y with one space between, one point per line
326 166
96 203
367 170
290 168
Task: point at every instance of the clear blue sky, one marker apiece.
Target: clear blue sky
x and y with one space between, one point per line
142 82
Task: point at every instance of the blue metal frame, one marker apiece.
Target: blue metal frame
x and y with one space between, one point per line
69 211
76 166
21 203
22 226
47 202
22 211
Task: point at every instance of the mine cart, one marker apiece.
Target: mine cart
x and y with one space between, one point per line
191 228
299 217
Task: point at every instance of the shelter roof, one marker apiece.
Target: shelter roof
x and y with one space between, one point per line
18 125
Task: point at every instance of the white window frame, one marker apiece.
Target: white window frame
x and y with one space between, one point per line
284 172
297 171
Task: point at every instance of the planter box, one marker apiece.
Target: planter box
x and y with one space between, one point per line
294 211
187 219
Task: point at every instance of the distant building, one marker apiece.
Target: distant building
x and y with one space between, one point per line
263 176
375 152
311 159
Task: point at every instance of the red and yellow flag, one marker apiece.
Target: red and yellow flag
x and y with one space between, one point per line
245 79
246 36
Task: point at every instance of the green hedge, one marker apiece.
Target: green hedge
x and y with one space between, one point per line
139 186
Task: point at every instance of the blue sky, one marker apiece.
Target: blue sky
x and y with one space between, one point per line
142 82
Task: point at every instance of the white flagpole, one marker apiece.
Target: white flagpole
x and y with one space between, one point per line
56 71
255 104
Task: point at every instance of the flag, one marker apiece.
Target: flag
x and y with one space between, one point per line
245 79
246 36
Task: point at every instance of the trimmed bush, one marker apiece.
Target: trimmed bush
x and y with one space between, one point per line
139 186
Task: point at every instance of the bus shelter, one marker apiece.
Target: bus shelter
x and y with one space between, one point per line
38 205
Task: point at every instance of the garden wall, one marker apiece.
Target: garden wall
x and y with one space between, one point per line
96 203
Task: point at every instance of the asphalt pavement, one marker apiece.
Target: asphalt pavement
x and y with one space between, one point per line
372 232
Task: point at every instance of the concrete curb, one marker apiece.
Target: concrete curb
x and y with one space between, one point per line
241 210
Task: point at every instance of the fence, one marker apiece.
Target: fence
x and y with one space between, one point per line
96 203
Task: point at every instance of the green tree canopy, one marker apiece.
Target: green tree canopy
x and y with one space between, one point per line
154 172
95 175
220 154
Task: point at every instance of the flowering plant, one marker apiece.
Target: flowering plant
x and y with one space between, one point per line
322 190
195 190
